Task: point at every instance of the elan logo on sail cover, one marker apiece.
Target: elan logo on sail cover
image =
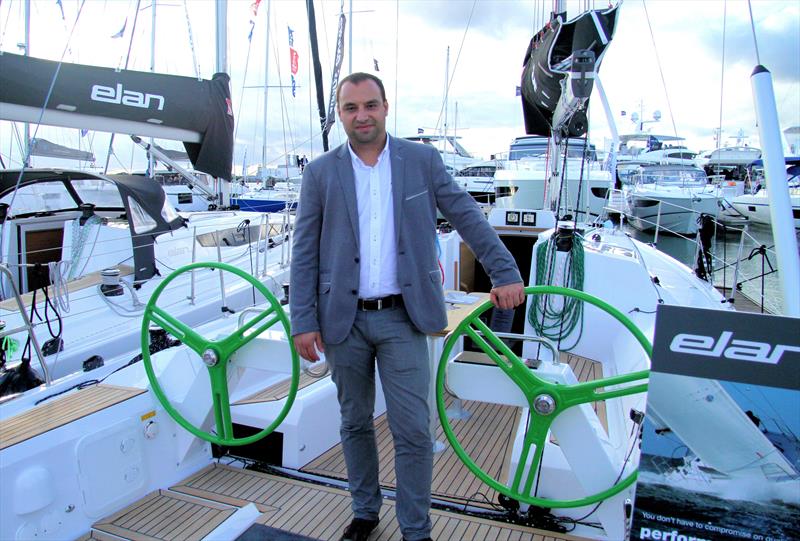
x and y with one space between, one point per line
131 98
739 350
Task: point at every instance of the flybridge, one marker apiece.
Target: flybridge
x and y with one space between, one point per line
131 98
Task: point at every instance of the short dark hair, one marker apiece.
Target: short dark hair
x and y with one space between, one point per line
360 77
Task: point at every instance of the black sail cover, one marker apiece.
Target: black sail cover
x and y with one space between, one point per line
545 66
197 112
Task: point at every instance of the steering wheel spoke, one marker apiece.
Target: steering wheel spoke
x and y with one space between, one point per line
217 354
241 336
535 439
221 404
500 353
179 330
546 400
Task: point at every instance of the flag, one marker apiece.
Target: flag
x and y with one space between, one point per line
252 27
84 132
294 60
519 91
254 7
122 30
294 86
375 61
291 36
61 6
420 130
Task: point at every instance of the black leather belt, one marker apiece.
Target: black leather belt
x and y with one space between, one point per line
371 305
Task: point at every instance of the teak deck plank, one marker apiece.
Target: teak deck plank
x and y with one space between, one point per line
322 512
486 437
61 411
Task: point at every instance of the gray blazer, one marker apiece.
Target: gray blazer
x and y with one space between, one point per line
325 256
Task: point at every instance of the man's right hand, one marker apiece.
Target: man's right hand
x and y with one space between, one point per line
307 344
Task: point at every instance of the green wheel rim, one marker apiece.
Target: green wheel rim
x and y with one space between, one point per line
222 349
565 396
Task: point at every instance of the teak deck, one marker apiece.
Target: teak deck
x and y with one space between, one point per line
61 411
196 506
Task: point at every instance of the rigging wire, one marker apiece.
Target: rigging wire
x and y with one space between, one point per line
195 63
722 71
753 28
455 65
241 94
660 69
396 60
46 101
127 60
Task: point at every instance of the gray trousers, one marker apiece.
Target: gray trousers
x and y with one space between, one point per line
389 339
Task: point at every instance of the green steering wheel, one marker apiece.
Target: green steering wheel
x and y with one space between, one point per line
546 400
216 354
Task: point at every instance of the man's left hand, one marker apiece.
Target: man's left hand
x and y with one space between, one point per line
508 296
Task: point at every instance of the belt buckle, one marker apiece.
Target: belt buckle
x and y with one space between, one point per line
379 304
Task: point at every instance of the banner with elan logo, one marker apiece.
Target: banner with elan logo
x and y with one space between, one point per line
721 439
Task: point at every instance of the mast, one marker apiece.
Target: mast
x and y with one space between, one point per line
446 97
27 126
151 162
222 36
350 40
266 95
780 205
312 33
224 195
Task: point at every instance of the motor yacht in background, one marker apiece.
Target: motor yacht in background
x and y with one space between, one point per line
454 155
669 198
524 177
755 205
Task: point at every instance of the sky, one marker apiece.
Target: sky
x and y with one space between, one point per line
666 56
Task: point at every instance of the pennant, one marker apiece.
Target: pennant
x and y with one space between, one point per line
254 7
252 27
375 61
291 36
84 132
122 30
61 6
294 60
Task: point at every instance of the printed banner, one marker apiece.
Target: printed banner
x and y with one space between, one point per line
720 448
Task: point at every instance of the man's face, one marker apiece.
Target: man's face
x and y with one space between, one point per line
362 111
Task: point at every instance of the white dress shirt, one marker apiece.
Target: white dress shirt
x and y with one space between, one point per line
377 246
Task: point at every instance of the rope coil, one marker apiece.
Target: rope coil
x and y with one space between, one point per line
550 318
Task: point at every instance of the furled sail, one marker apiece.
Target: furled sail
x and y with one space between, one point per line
553 52
43 147
196 112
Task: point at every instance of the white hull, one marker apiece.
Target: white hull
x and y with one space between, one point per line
677 213
756 207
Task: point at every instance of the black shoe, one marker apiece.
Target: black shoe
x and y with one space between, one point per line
359 529
426 539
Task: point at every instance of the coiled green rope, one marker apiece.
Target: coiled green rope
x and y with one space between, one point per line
551 319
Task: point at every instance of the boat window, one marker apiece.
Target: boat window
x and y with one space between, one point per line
674 175
101 193
140 220
233 236
684 155
168 212
40 197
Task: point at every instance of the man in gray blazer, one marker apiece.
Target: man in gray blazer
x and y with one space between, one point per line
366 287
